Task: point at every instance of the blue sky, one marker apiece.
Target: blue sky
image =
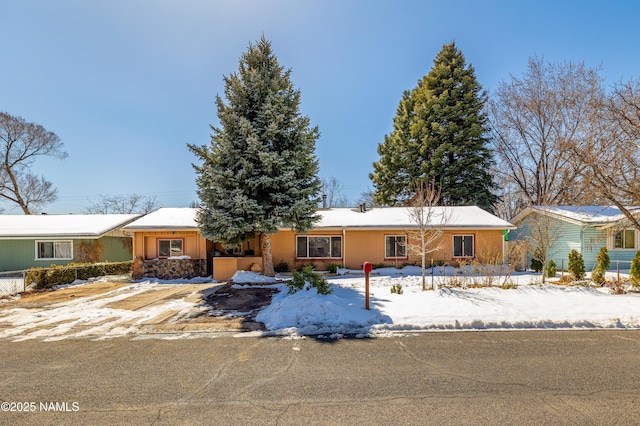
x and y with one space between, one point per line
126 84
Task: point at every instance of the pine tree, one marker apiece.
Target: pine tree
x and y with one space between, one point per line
259 171
440 134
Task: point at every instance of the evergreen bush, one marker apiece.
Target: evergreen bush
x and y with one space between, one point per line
576 265
635 270
603 259
307 276
552 269
59 275
281 267
536 265
597 276
603 263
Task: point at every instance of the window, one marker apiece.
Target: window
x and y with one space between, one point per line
395 246
319 246
625 239
169 248
62 250
463 246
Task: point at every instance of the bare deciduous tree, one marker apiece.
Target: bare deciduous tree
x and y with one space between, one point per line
535 121
368 198
123 204
611 153
430 219
543 232
21 143
332 193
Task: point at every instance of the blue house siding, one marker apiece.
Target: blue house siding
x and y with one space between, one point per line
586 239
21 254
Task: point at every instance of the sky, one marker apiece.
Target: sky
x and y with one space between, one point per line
127 84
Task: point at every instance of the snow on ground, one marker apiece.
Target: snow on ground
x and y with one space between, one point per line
528 306
462 306
89 315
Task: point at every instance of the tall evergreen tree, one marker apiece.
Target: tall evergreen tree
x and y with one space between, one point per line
439 134
259 171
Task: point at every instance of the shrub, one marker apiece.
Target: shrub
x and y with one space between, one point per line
597 276
281 267
603 263
58 274
552 269
536 265
307 276
635 270
576 265
310 266
396 288
333 268
603 259
89 252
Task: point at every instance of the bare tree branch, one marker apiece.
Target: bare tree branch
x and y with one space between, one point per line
431 220
123 204
535 121
20 145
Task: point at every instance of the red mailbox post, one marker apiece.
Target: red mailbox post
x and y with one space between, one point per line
368 267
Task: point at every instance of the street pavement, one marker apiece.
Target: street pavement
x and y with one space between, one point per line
449 378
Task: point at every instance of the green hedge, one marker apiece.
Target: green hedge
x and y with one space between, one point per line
58 275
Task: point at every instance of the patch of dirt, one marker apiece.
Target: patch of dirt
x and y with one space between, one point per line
243 302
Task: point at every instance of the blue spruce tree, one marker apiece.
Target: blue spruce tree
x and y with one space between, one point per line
259 172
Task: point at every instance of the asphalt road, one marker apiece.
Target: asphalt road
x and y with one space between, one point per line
515 377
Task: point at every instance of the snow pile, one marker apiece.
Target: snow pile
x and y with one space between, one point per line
248 277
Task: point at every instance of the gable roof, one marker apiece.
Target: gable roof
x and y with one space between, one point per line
85 226
579 215
467 217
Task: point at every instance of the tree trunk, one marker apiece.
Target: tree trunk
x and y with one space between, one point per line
267 258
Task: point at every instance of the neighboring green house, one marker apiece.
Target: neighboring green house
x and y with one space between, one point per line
28 241
583 228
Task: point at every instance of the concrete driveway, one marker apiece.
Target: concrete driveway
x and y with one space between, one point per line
112 309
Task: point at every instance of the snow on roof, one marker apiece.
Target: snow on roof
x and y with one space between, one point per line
384 217
166 218
587 215
399 217
58 226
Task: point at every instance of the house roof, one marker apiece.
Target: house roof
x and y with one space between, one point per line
459 217
579 215
468 217
87 226
166 218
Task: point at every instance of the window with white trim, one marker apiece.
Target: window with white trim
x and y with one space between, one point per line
625 239
395 246
58 250
463 246
320 246
170 247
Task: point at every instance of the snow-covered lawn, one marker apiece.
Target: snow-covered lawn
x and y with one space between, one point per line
451 307
528 306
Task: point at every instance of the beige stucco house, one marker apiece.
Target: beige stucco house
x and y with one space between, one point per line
168 241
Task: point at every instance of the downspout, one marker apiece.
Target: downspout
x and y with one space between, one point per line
344 248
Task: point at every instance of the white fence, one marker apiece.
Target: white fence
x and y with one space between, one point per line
11 282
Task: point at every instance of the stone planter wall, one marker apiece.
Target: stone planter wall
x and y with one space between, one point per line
170 269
